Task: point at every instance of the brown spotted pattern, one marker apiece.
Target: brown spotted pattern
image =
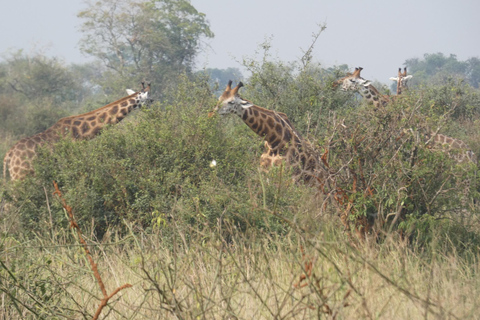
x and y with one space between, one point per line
354 82
18 159
282 141
455 148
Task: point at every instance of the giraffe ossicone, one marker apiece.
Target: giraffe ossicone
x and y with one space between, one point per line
455 148
354 82
402 80
18 160
282 141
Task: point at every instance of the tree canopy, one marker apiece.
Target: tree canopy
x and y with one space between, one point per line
143 39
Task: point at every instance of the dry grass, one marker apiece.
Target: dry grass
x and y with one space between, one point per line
249 276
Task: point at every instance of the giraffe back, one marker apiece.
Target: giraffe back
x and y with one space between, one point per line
18 160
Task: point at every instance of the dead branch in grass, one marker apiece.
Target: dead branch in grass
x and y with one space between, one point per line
73 224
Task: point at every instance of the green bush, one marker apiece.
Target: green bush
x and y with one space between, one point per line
155 168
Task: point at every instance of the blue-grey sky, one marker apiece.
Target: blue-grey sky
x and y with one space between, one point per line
377 35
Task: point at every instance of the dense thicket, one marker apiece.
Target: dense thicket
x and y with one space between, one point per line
159 160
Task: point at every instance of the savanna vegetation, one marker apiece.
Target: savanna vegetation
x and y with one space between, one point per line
174 236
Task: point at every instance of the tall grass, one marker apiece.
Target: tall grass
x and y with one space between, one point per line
245 275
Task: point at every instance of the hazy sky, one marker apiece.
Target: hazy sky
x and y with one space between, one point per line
377 35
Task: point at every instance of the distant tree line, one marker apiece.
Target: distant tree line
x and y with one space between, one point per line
437 66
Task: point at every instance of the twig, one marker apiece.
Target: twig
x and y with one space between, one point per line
49 211
73 224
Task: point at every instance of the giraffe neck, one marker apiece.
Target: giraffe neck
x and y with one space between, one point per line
399 87
274 127
18 159
282 141
88 125
371 94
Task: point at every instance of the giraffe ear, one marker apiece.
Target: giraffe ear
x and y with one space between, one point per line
394 78
130 92
246 104
408 77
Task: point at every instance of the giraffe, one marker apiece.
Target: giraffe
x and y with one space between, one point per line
282 141
402 80
455 148
19 158
353 82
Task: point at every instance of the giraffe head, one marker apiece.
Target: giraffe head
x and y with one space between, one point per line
352 81
231 102
141 97
401 79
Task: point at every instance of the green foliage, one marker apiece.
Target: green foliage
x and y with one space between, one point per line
304 92
454 97
393 174
156 167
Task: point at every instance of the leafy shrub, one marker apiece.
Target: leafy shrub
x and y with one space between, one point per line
383 166
154 169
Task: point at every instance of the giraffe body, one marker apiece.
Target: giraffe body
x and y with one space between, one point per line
282 141
455 148
269 159
18 159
